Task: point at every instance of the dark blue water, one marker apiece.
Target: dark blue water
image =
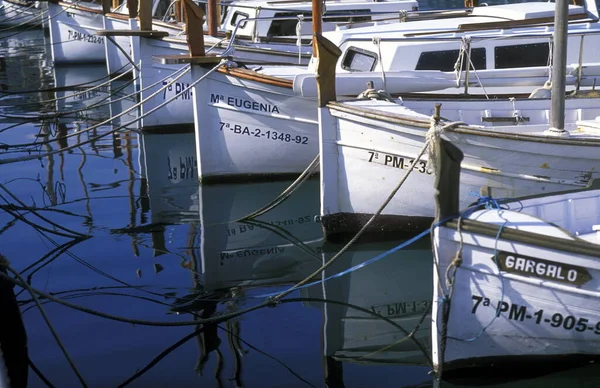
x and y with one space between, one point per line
114 221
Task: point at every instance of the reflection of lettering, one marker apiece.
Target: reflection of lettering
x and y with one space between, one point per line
521 313
181 168
401 308
399 162
262 133
251 252
89 38
237 102
179 88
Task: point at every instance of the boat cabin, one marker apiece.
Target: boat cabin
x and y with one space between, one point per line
495 37
280 18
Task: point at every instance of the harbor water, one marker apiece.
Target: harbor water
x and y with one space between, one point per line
130 251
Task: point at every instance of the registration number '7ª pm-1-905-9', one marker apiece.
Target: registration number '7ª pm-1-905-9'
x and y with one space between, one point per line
522 313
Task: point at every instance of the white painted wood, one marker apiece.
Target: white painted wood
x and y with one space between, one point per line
511 160
72 34
526 328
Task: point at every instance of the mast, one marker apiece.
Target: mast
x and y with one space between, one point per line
317 22
559 64
212 17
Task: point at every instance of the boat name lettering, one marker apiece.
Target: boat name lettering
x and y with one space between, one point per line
399 162
402 308
251 252
239 129
76 35
238 102
522 313
544 269
180 90
184 168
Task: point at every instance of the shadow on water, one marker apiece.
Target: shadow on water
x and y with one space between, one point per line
115 222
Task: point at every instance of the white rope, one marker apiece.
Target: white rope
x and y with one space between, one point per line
299 37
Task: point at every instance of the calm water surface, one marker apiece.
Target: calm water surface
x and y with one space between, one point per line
114 221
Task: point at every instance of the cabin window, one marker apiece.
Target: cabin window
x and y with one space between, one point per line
286 27
522 55
239 16
357 59
345 16
446 59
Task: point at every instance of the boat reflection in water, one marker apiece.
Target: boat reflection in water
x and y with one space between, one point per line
397 287
85 93
276 247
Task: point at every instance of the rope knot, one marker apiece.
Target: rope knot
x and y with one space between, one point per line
272 301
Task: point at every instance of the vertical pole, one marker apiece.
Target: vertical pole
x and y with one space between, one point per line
317 22
559 60
145 14
106 4
212 17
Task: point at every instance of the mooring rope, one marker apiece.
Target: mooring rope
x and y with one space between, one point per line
104 122
4 264
434 131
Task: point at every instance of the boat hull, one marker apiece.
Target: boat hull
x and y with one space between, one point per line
496 313
363 159
245 128
73 34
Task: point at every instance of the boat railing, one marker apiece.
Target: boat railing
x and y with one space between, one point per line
301 17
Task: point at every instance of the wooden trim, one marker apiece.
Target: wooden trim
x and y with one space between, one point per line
147 34
257 77
467 130
79 7
577 246
579 18
515 23
118 16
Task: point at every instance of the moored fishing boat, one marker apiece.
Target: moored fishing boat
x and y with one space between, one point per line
74 27
264 121
517 280
251 32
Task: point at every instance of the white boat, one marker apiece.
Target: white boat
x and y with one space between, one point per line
252 32
264 121
518 282
22 13
74 27
396 287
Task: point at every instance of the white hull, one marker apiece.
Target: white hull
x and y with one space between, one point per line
21 14
179 111
118 51
550 309
363 160
73 36
246 128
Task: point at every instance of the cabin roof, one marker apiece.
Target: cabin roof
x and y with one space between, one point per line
523 11
480 16
300 5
